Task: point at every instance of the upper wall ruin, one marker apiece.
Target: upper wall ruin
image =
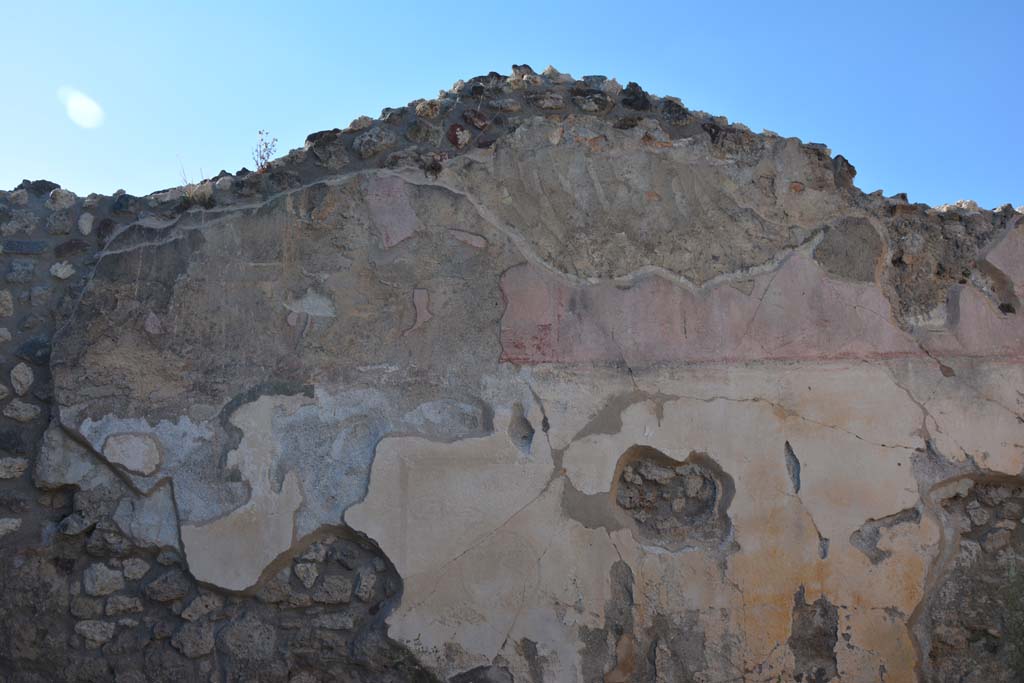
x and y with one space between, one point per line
544 379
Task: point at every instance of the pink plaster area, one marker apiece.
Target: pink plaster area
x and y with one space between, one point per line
472 239
1008 256
793 313
980 329
421 302
390 209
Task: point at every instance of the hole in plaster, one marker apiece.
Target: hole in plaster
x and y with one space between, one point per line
792 467
676 504
520 431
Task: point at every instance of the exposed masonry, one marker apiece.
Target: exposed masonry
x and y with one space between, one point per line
435 211
971 622
813 640
675 504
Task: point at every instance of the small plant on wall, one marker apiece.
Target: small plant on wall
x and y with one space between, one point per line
264 152
196 194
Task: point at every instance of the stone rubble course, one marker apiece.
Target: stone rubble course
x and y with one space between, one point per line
542 379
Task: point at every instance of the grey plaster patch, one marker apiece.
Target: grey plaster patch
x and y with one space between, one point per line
343 429
150 521
813 639
190 459
866 538
64 462
312 303
851 249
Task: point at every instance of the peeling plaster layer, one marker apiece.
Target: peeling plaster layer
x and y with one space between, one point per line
793 313
232 551
856 457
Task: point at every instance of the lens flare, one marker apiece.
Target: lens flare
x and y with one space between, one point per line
83 111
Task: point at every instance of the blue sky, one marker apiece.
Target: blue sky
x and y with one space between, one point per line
922 97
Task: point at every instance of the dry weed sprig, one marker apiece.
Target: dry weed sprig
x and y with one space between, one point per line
264 152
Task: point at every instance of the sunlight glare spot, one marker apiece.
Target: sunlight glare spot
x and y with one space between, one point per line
83 111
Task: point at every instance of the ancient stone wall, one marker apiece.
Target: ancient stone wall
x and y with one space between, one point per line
544 379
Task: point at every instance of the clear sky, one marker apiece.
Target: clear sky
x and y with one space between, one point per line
922 97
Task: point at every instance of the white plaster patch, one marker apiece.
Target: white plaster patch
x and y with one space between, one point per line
231 552
314 304
476 545
138 453
974 414
497 477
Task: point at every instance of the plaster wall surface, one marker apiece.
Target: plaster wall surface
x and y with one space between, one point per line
545 379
